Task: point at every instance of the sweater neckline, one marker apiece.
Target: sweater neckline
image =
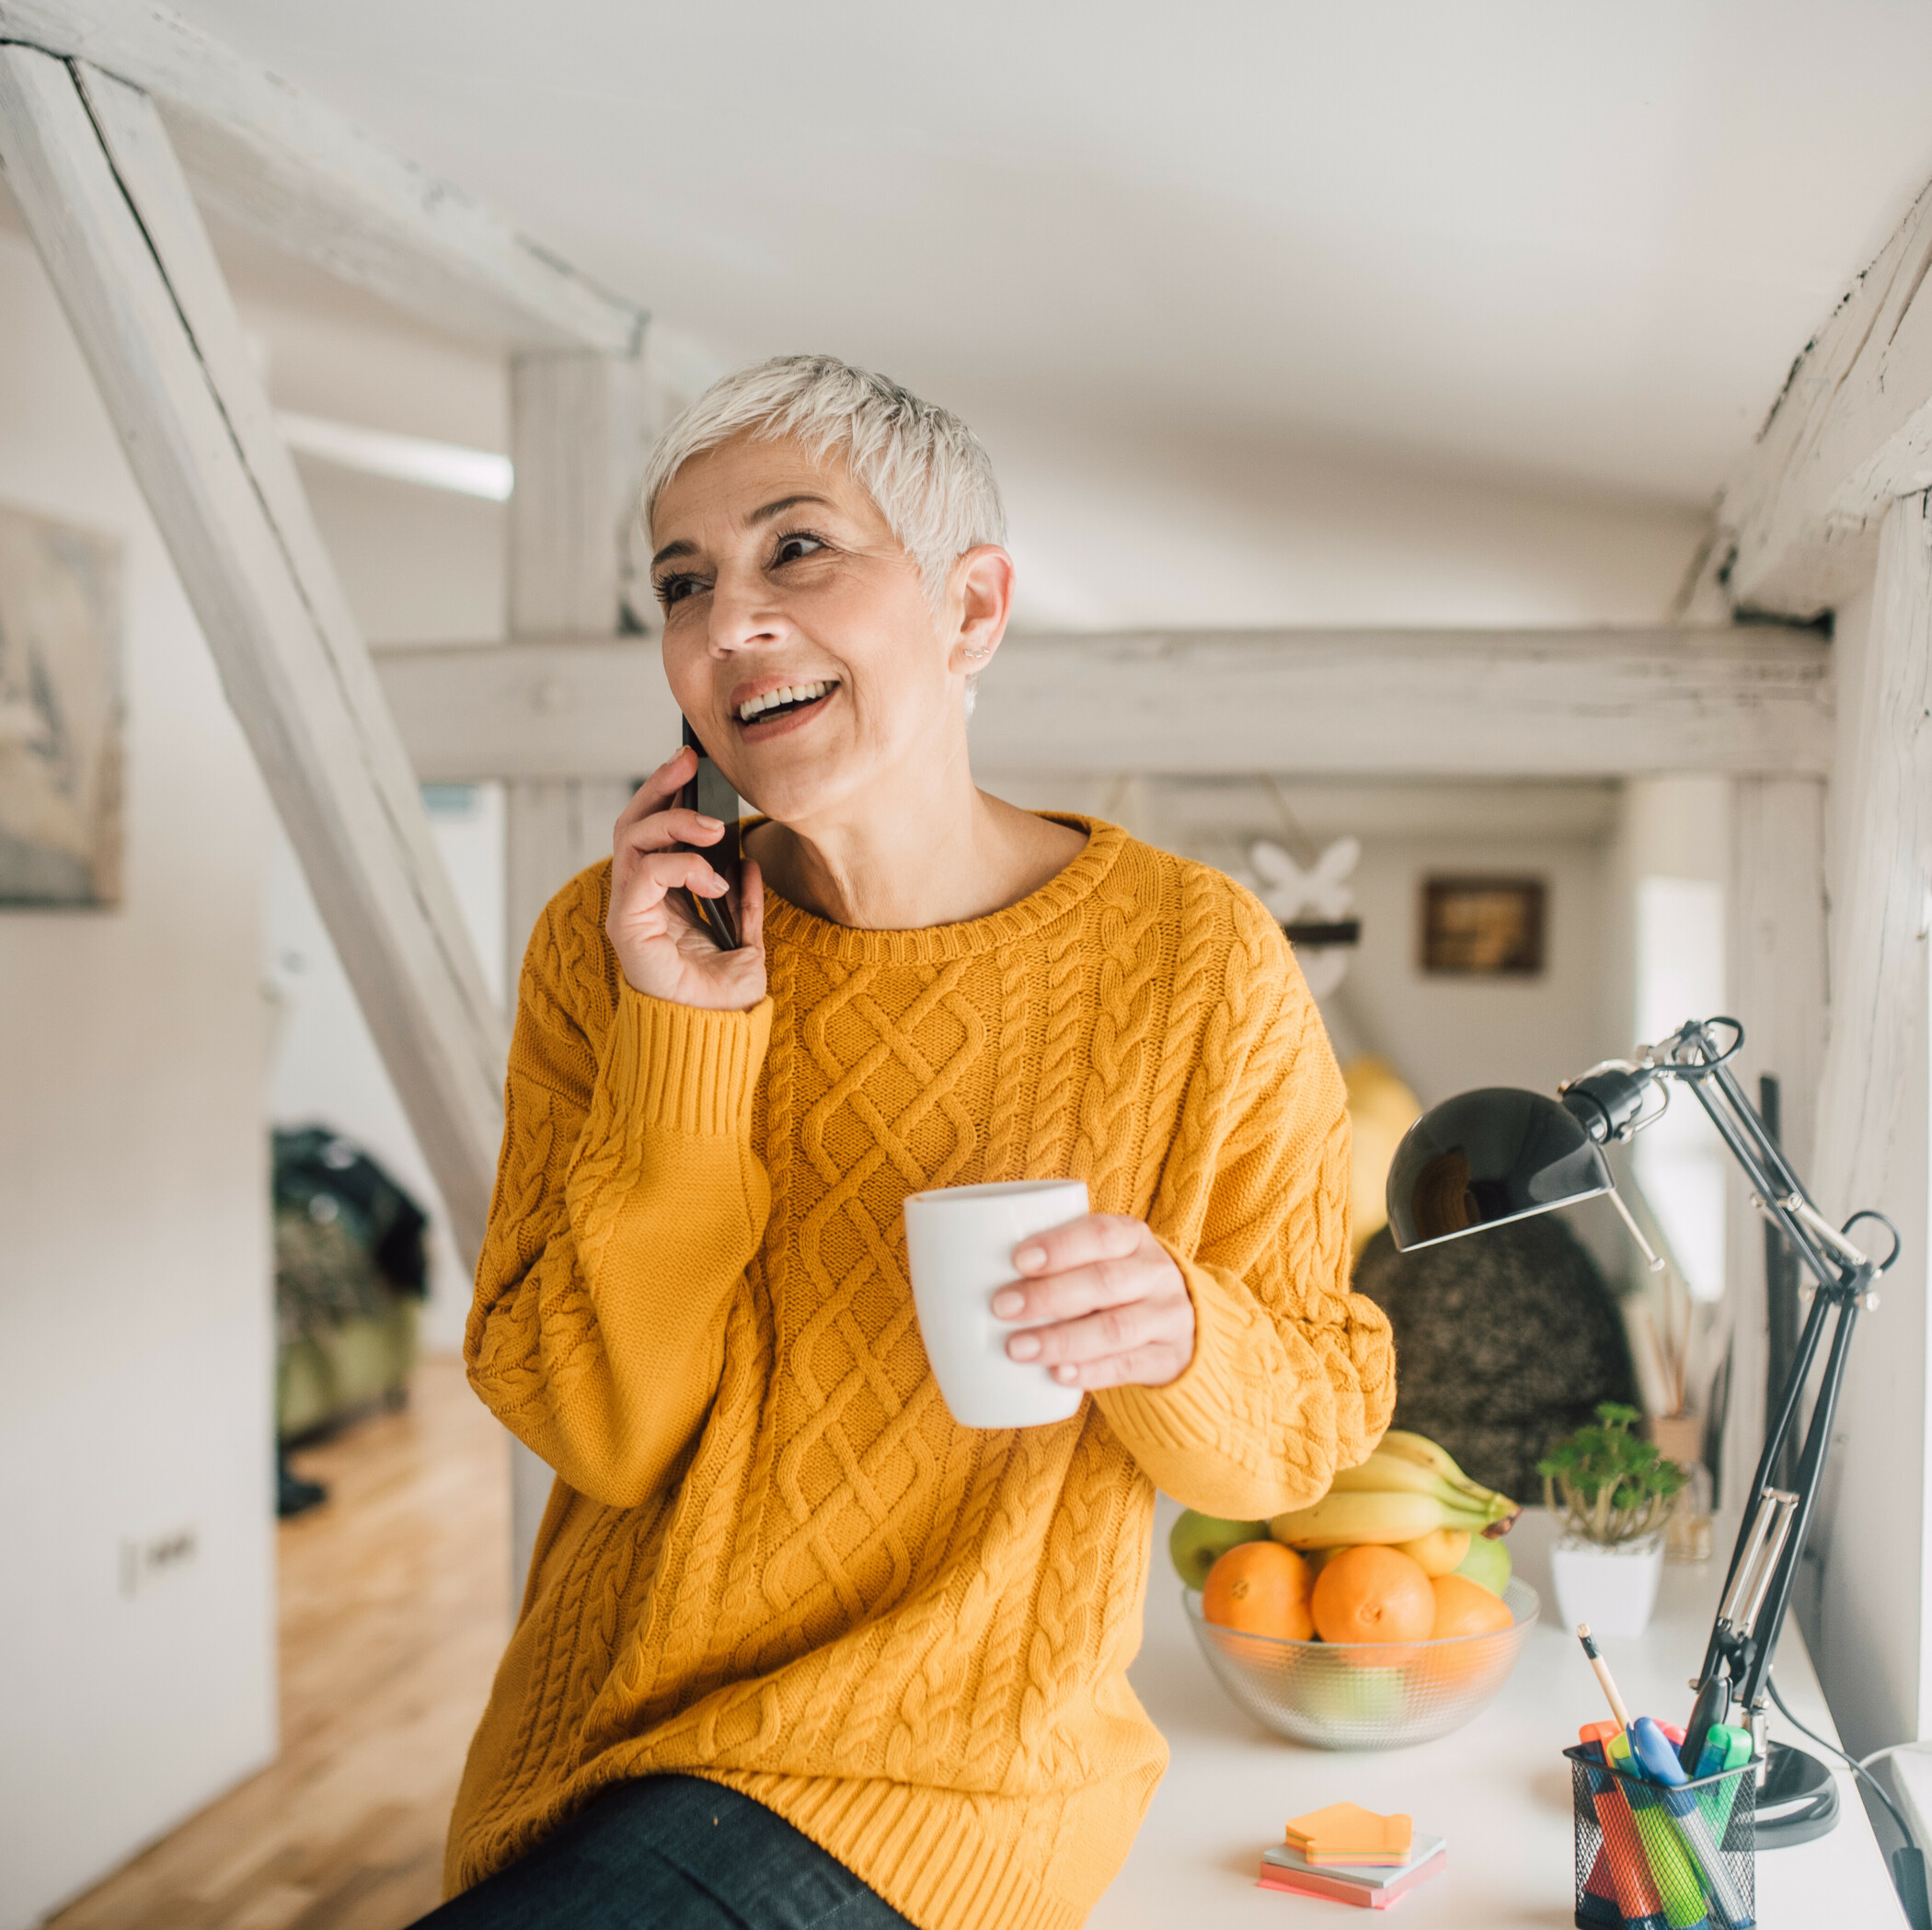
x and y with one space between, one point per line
934 943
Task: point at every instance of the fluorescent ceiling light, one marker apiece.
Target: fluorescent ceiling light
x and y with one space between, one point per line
410 459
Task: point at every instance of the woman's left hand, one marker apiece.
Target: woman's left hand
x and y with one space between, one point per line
1104 1303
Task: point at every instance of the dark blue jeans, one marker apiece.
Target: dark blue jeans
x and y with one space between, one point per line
671 1853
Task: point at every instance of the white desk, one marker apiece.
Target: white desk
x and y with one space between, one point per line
1499 1789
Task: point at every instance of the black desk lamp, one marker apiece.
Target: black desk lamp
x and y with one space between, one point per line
1488 1158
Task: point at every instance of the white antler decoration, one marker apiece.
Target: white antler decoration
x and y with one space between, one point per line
1287 890
1323 891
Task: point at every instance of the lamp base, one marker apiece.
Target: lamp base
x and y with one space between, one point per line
1797 1800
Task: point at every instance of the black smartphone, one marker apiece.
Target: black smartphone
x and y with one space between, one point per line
710 792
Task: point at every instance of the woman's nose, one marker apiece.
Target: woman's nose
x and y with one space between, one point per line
743 615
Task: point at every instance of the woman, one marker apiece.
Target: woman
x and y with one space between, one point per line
797 1648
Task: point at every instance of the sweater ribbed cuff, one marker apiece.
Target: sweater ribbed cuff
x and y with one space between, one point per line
1190 1414
689 1070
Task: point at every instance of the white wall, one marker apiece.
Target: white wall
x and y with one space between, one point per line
1108 533
1669 863
134 1296
1663 961
1446 1034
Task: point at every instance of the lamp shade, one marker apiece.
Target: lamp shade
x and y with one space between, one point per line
1486 1157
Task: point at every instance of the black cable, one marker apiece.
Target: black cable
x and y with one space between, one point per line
1851 1763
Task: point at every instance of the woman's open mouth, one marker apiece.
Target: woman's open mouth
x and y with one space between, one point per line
792 700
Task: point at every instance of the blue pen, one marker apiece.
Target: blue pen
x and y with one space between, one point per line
1657 1760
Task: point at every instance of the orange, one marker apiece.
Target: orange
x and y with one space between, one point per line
1466 1607
1260 1587
1372 1594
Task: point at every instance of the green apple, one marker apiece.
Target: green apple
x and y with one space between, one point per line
1487 1564
1348 1698
1199 1541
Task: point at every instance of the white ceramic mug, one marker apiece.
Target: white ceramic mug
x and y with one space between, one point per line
959 1240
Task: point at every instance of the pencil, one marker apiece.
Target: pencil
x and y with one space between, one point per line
1603 1676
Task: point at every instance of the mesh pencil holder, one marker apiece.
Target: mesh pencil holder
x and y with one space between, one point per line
1652 1858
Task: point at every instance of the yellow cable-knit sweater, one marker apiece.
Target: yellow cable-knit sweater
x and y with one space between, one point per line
771 1558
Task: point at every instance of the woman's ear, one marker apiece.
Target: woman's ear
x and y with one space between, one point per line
981 593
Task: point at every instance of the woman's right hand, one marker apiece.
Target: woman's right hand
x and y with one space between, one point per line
661 948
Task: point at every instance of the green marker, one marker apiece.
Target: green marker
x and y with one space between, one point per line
1726 1747
1678 1883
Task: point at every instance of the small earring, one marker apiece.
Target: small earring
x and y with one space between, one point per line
976 656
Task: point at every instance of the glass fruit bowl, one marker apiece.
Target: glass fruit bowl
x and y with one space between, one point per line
1364 1694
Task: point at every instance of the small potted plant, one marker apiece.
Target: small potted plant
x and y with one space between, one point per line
1612 1492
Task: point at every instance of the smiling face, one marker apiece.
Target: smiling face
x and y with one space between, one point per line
799 637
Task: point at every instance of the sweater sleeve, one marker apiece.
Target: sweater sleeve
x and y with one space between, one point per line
1293 1376
627 1205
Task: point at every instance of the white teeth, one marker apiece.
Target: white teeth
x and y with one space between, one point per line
788 694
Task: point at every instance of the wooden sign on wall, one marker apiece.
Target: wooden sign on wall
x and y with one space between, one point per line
1483 927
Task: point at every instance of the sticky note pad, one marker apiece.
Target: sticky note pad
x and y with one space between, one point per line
1346 1833
1285 1860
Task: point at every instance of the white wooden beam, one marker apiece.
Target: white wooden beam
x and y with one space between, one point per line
1881 897
1393 703
275 162
1851 432
90 165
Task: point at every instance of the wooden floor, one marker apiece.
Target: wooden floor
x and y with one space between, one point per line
395 1607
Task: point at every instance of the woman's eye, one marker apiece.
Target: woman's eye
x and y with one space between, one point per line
676 588
798 543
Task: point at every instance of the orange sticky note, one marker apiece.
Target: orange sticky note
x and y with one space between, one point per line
1346 1833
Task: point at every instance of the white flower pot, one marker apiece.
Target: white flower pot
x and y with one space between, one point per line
1613 1590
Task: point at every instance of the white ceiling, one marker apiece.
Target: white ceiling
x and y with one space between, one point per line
1560 241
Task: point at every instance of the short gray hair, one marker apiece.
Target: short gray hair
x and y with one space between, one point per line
928 471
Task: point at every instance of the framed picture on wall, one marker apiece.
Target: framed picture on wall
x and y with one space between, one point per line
60 713
1483 927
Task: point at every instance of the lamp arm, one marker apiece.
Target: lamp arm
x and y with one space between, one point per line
1764 1165
1720 1646
1844 1276
1778 1168
1817 1438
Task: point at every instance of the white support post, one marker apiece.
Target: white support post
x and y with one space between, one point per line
577 440
91 168
1873 1146
1880 900
1776 905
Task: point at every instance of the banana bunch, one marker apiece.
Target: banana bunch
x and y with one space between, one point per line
1406 1489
